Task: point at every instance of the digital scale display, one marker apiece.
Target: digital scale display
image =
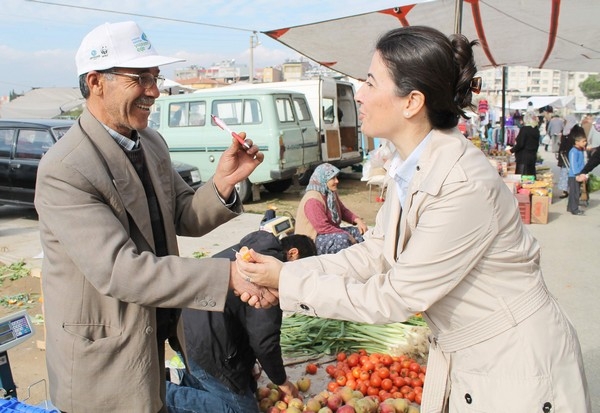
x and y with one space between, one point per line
14 329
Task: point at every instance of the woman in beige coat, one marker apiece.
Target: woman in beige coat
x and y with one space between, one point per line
448 242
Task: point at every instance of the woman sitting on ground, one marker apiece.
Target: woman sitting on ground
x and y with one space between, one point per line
321 212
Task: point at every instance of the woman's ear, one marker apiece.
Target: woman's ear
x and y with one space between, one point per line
415 101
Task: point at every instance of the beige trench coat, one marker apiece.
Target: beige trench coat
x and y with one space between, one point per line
459 253
101 279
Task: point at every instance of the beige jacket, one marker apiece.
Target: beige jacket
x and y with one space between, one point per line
101 280
459 253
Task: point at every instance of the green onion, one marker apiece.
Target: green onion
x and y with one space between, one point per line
303 335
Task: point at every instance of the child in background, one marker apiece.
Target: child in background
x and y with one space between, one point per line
576 164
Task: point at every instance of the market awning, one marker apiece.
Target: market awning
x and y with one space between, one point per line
557 102
550 34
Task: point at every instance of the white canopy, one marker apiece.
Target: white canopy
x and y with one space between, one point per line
548 34
43 103
557 102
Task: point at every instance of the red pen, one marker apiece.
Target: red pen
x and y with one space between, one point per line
224 126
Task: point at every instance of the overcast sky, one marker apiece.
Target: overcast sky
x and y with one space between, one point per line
39 39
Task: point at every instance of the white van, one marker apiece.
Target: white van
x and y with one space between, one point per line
279 122
332 105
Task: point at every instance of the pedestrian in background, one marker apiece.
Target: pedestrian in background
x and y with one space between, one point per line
448 242
576 164
526 146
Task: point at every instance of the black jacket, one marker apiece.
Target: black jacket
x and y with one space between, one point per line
592 162
525 150
227 344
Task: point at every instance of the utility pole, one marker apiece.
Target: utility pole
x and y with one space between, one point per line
253 43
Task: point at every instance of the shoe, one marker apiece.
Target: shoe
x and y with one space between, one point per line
577 213
564 195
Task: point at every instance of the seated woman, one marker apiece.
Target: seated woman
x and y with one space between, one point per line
321 212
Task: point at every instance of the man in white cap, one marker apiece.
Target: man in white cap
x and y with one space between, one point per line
110 208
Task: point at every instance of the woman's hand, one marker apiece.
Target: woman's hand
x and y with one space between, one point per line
263 270
289 389
235 165
360 224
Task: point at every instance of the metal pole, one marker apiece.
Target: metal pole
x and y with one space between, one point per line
458 16
504 76
251 75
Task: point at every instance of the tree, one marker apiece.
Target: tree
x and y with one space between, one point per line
590 87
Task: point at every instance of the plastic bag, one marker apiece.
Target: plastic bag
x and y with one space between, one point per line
546 140
593 183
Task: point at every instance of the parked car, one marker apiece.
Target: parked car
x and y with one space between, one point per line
23 142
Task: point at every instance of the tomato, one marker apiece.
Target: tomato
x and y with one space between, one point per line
424 369
332 386
386 384
399 381
417 382
397 395
341 356
353 360
384 395
368 366
406 389
406 364
364 375
330 370
418 390
356 372
418 398
363 359
363 388
414 366
375 380
383 372
351 383
311 368
386 359
341 380
411 396
372 391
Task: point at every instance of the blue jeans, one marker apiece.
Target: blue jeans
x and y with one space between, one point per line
200 392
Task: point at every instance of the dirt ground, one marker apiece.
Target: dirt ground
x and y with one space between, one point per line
27 359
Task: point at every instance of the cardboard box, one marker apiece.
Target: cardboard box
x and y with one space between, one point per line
524 207
539 209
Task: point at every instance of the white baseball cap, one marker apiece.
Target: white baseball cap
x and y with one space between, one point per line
118 45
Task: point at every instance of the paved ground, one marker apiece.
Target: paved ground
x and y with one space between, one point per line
570 260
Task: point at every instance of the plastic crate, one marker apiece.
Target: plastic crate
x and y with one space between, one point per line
15 406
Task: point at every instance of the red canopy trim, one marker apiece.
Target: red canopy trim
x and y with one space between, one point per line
555 12
480 30
399 13
276 34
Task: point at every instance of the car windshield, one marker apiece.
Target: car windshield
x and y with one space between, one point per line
59 132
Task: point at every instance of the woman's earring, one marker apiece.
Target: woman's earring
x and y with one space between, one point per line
406 114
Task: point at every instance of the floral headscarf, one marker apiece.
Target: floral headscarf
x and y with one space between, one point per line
318 182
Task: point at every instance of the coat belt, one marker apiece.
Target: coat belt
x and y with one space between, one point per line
508 316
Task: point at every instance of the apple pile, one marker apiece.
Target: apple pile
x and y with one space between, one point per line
342 400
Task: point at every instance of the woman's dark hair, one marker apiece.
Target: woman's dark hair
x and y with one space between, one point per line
306 246
442 68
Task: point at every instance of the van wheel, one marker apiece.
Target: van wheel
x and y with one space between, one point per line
305 177
278 186
244 189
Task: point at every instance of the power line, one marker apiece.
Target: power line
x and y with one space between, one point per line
142 15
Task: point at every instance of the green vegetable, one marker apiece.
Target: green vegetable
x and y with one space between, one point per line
303 335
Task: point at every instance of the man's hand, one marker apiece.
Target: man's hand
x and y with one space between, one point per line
235 165
254 295
289 389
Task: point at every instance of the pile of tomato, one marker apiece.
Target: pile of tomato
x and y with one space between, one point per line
380 375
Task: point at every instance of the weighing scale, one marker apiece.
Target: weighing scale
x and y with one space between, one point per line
14 329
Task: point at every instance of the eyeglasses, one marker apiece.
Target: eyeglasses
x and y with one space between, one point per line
145 80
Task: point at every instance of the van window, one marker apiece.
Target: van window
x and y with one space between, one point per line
187 114
302 109
238 111
6 141
328 116
284 110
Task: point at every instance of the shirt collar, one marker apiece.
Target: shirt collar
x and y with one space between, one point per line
124 142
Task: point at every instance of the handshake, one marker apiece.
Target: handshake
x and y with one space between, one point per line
252 277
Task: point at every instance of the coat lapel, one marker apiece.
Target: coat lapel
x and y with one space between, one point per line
125 179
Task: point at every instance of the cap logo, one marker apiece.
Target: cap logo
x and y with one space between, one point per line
141 43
